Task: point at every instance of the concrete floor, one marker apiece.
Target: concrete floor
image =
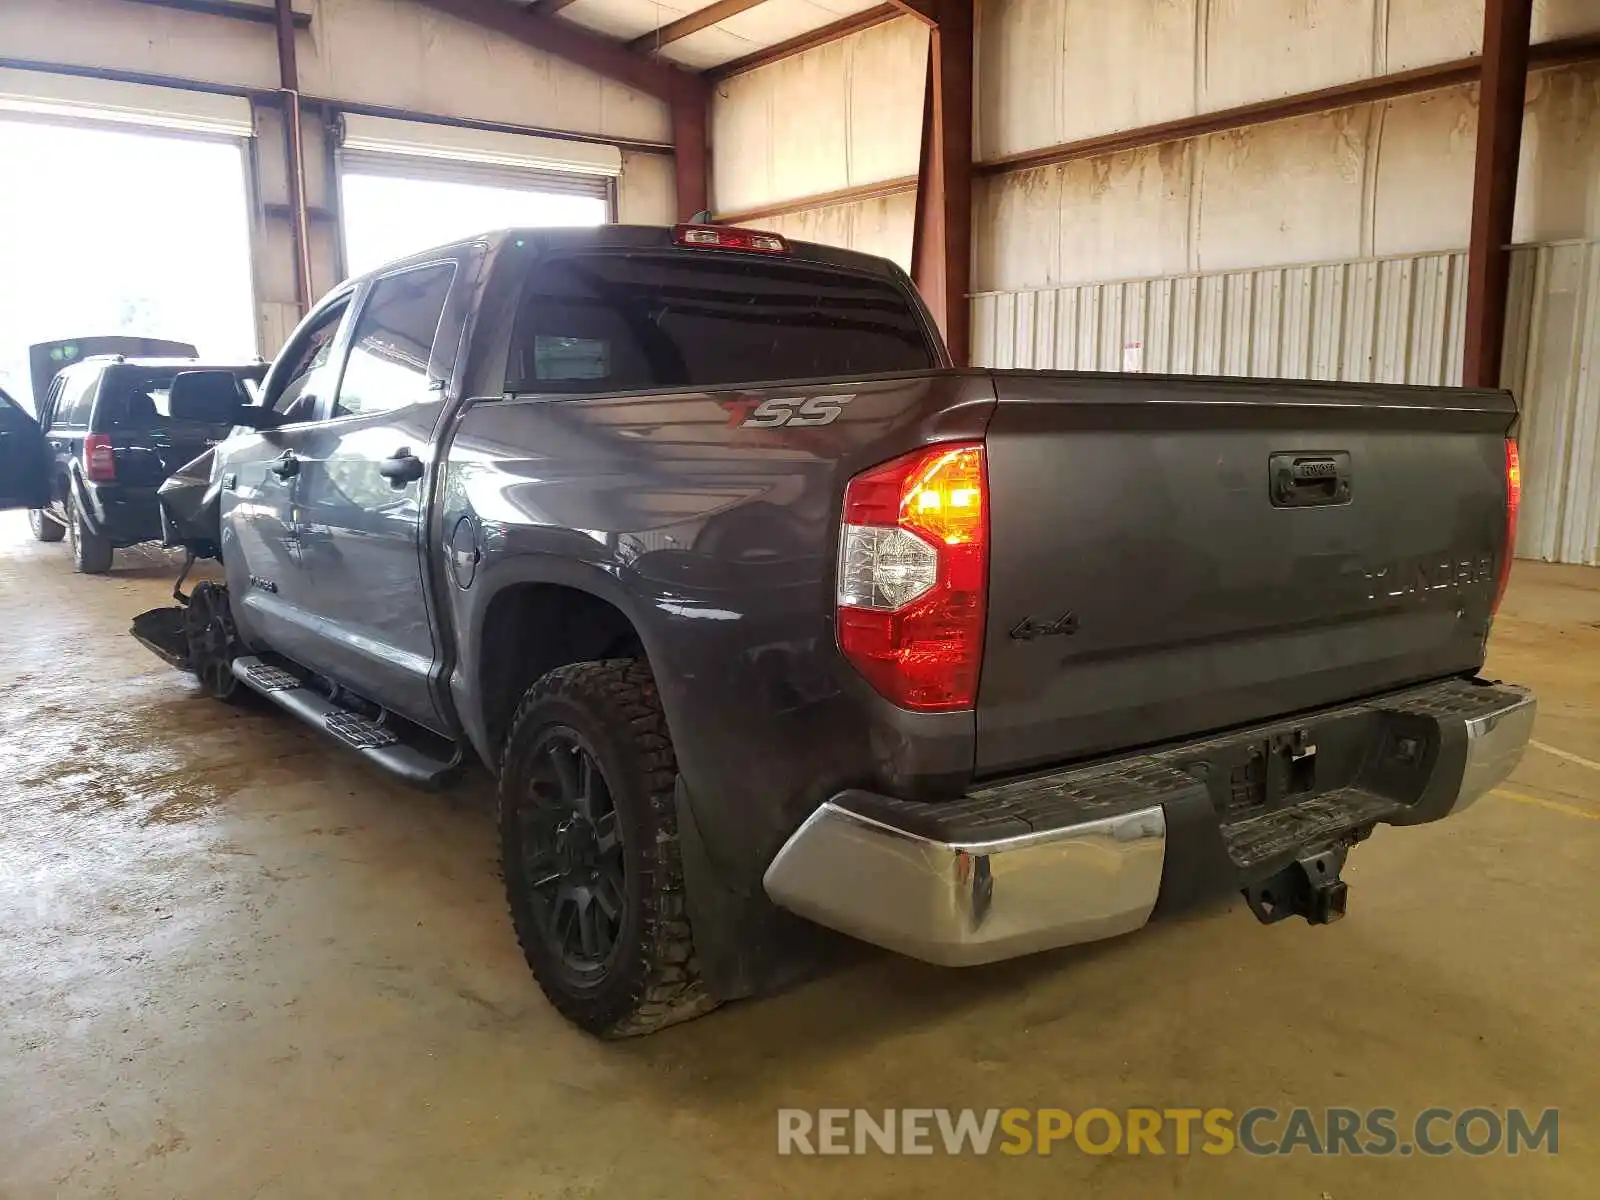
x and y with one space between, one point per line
237 963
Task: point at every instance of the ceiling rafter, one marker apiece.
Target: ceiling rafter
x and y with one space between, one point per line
577 45
694 22
922 10
841 28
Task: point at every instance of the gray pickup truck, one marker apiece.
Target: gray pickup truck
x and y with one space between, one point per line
765 619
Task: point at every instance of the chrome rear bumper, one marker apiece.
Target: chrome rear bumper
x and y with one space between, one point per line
1107 840
967 903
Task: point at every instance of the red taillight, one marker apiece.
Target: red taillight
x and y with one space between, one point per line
719 237
913 576
1513 504
99 460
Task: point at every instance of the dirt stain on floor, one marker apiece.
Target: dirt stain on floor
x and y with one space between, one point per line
204 992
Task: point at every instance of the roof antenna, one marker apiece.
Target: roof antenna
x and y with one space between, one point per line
703 217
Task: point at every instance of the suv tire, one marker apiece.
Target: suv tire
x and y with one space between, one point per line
91 552
45 528
589 846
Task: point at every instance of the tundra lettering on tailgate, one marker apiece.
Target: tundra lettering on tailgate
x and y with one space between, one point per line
1435 573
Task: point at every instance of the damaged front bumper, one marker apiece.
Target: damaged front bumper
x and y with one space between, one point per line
1096 851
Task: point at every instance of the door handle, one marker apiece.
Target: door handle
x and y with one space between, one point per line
1306 479
285 466
401 467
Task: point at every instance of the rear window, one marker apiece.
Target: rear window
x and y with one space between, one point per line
614 322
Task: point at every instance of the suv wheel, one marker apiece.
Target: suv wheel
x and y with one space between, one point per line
588 841
45 527
91 553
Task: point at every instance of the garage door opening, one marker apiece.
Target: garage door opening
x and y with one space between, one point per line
113 232
388 215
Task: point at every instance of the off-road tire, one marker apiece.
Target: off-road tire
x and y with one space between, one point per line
91 552
44 527
653 980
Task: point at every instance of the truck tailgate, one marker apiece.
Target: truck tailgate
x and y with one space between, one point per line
1172 556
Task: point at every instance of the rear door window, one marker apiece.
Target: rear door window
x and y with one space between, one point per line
608 322
393 341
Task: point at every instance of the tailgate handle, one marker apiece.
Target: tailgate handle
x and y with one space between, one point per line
1306 478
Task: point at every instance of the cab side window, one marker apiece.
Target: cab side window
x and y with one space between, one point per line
393 341
312 372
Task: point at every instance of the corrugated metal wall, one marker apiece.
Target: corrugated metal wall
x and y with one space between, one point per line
1553 363
1394 320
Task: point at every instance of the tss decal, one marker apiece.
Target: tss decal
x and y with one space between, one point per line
796 412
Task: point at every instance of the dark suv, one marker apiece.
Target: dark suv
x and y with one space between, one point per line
112 443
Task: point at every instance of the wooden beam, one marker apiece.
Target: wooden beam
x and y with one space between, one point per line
806 41
258 13
574 43
925 11
294 154
941 240
693 23
1501 92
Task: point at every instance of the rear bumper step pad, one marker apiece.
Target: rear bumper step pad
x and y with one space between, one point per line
1093 852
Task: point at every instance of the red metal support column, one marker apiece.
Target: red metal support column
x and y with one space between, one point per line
691 147
941 241
294 155
1501 89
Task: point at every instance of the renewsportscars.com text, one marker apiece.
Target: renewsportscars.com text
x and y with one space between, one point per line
1431 1132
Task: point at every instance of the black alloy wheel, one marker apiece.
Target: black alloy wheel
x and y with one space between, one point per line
589 849
573 854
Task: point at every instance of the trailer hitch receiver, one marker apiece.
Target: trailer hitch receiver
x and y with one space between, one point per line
1309 887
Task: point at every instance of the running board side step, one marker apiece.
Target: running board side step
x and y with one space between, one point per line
377 743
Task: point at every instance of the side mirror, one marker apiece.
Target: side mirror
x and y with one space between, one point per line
214 398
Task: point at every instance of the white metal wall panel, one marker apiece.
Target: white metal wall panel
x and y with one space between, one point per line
882 226
647 192
140 37
1390 320
1553 363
